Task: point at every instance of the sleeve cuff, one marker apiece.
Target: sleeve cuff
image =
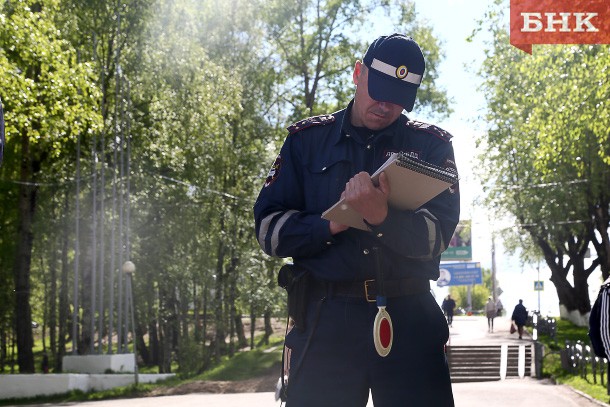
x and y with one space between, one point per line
321 233
377 230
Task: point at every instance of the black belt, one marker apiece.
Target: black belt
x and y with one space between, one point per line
368 290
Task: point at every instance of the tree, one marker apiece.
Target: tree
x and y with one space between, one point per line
48 101
547 153
197 92
109 35
201 134
318 43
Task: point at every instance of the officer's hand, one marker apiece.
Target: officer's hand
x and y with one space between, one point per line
369 200
337 227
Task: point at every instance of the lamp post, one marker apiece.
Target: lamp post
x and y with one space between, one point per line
128 269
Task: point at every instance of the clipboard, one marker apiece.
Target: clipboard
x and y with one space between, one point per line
412 184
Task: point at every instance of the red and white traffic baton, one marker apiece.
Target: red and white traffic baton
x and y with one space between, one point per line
383 332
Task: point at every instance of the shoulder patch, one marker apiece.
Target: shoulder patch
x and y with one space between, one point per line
310 122
431 129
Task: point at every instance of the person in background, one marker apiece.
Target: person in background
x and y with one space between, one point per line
448 307
520 317
335 358
491 312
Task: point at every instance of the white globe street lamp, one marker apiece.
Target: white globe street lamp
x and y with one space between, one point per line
129 267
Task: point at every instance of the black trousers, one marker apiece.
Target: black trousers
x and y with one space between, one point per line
341 365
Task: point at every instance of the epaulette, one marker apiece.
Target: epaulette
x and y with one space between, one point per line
431 129
311 121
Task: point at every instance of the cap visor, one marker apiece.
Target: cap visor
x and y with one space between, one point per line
391 90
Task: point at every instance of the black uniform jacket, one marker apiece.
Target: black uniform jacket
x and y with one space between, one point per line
317 159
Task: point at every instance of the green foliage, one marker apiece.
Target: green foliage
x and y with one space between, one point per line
49 99
47 92
201 92
190 356
545 156
431 99
319 42
478 293
567 331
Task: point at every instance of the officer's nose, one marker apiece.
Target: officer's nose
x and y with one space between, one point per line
385 106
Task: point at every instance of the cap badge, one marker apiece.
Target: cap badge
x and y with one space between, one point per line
402 72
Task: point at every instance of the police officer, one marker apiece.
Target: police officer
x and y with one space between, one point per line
332 358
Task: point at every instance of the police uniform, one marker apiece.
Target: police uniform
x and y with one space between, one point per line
334 355
599 322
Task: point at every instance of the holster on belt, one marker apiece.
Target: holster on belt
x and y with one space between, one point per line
297 283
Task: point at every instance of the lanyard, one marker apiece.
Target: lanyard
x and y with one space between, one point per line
383 332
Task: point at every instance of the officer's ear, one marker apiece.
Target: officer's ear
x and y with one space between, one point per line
358 70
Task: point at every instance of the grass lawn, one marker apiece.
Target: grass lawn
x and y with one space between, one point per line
551 366
244 365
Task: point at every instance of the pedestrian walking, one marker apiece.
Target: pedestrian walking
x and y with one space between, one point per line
491 311
519 317
448 307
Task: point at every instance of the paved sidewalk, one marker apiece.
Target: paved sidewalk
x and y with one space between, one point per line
472 330
509 393
527 392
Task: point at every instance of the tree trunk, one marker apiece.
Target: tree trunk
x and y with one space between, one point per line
581 286
242 341
204 322
252 326
153 343
196 312
268 327
3 348
52 304
141 344
165 365
183 317
153 319
219 336
233 292
64 308
26 208
86 304
572 298
45 307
